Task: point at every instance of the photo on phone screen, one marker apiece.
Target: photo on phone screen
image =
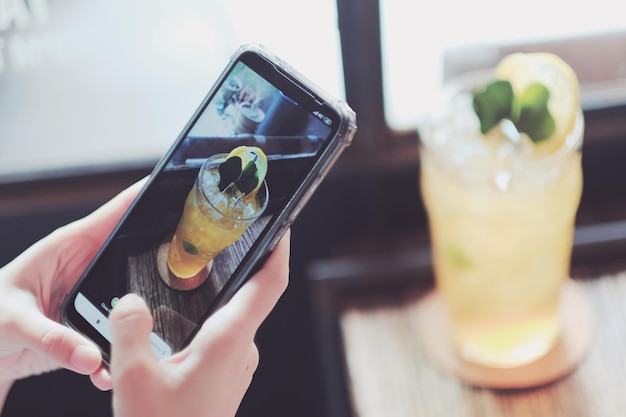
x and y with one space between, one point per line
232 173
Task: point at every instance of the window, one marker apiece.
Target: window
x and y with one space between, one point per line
107 84
421 42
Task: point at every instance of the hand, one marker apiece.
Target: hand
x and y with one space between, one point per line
211 375
32 287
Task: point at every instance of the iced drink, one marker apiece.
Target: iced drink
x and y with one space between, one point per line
501 211
214 216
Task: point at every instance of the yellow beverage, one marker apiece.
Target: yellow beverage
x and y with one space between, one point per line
501 218
211 221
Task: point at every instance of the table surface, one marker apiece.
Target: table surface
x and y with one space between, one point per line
389 374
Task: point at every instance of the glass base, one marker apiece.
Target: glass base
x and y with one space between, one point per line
570 347
509 343
172 281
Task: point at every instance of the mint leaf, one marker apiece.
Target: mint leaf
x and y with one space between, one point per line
190 248
249 178
458 258
230 171
245 179
493 103
529 112
534 116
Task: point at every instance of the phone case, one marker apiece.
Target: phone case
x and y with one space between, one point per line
124 254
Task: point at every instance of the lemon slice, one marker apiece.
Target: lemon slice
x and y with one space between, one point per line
525 69
252 154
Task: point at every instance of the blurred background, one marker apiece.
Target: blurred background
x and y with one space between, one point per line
93 93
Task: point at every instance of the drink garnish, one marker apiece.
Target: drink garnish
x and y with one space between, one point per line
529 112
230 171
249 178
537 92
245 167
492 104
458 257
245 179
190 248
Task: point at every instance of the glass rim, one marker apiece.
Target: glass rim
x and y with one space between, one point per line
212 159
468 81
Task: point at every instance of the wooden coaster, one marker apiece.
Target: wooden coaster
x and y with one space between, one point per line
182 284
570 349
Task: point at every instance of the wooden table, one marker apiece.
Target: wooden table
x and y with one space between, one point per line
375 365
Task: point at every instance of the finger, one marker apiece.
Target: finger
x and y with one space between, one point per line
253 360
67 251
102 221
131 325
101 379
60 344
251 305
234 326
84 237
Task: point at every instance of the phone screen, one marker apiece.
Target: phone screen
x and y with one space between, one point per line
231 173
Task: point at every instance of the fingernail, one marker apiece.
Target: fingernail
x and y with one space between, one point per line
85 359
127 300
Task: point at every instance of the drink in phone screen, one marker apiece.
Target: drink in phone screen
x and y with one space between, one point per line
229 194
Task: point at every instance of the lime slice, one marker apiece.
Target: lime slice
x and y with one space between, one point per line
251 155
523 70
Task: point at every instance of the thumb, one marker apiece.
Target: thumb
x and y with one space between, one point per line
66 347
131 323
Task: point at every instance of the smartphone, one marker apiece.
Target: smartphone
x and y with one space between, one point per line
217 203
